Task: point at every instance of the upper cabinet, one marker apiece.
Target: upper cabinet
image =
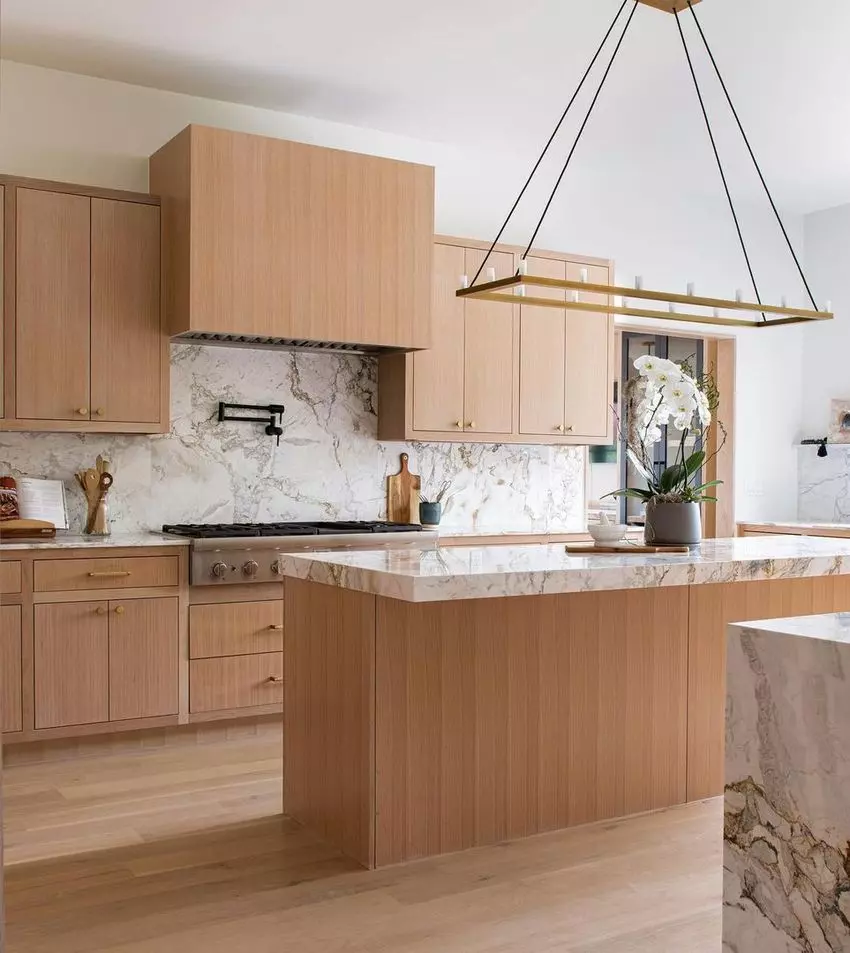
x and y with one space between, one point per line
501 372
280 242
84 345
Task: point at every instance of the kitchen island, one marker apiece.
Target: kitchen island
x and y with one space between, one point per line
442 700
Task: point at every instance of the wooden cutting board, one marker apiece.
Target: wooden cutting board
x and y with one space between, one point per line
403 494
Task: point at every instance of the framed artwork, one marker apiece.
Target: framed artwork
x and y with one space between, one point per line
839 422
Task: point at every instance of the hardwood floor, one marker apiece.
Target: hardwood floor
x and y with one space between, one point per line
186 855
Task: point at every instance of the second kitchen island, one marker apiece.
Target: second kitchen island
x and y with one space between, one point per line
442 700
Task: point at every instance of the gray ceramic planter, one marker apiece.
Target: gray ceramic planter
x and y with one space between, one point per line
673 524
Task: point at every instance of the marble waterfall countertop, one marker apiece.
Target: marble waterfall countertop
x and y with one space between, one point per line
72 541
786 878
481 572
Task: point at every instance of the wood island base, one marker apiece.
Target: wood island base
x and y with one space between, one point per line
416 729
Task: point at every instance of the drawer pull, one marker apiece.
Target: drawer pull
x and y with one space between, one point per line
113 574
274 678
119 610
276 628
100 610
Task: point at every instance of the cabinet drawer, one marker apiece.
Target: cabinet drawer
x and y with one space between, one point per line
124 572
235 628
10 668
236 682
10 577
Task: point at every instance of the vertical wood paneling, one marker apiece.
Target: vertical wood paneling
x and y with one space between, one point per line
577 712
329 768
11 713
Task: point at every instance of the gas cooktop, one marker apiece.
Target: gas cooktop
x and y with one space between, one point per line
319 528
225 553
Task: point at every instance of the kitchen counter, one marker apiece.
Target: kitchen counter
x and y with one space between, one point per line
795 528
492 572
469 696
787 815
74 541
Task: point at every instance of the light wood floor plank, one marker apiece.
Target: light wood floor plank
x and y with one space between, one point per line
195 859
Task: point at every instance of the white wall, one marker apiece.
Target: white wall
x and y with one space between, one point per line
670 224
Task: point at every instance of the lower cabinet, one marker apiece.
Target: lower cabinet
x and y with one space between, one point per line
238 681
10 668
104 661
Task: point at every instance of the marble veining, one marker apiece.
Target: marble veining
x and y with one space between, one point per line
824 485
329 464
76 541
482 572
787 803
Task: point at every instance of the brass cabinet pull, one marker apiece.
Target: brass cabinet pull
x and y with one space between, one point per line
83 411
100 412
471 425
276 628
111 574
100 610
119 610
569 429
275 678
560 427
459 424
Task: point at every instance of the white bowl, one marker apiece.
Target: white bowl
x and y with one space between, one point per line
607 534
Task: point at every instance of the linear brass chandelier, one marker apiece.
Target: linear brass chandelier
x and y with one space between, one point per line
737 312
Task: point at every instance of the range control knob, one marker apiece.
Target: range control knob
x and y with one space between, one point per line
219 570
250 568
276 567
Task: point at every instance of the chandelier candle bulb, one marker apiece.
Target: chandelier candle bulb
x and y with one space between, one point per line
491 274
583 275
464 281
784 301
523 267
575 297
829 306
691 288
672 308
739 295
638 282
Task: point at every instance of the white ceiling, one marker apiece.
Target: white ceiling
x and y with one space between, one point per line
485 74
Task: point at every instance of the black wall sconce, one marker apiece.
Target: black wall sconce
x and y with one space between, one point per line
819 442
269 413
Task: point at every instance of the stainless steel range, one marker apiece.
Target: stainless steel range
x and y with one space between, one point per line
227 553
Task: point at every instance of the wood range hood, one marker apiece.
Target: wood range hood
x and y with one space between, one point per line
269 243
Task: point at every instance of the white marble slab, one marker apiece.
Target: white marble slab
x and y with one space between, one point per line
787 803
482 572
74 541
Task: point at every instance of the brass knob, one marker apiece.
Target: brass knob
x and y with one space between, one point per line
276 628
459 424
471 425
569 429
119 610
83 411
275 678
100 610
100 412
560 427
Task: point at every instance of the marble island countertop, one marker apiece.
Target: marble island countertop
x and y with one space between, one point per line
481 572
64 540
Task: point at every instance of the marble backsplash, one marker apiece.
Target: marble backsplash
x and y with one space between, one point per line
328 465
824 485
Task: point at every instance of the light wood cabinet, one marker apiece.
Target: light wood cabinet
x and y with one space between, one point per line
235 628
127 352
84 343
240 681
518 373
105 661
53 303
488 354
438 372
10 668
71 661
142 658
287 241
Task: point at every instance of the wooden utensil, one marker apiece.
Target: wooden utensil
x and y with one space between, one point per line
583 550
403 493
97 522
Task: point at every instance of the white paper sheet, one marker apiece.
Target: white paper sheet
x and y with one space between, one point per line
43 500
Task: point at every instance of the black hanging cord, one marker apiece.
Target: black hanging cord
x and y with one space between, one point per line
581 130
551 140
719 163
753 156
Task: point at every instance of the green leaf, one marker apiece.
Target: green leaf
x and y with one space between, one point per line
694 462
633 493
705 499
672 477
705 486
